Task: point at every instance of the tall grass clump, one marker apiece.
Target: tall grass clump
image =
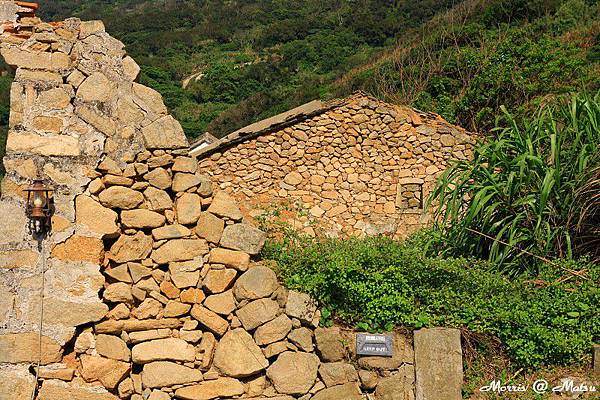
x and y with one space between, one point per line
520 196
588 225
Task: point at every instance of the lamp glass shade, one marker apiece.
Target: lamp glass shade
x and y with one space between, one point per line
39 199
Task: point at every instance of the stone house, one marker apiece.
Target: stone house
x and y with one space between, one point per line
356 165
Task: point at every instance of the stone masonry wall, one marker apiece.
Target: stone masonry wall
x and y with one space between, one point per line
151 291
357 169
192 317
73 100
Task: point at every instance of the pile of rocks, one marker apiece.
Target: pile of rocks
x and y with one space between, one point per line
348 166
191 317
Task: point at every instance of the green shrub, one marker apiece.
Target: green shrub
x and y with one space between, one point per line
517 195
379 283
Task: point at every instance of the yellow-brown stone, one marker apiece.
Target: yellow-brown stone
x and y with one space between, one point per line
180 250
48 124
24 347
95 216
108 372
58 145
131 248
80 248
18 259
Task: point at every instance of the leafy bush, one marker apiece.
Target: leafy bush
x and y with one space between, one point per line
517 196
378 283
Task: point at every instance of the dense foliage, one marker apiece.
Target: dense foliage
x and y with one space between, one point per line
5 82
378 283
521 188
244 61
251 59
468 62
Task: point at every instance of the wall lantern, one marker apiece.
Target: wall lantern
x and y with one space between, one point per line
40 207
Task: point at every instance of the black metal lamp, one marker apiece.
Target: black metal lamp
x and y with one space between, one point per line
40 207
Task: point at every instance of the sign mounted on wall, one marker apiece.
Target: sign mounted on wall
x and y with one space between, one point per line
374 345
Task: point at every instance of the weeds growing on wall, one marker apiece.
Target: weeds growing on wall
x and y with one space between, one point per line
518 196
378 283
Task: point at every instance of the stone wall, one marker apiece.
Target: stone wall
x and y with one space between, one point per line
150 288
73 100
190 315
361 167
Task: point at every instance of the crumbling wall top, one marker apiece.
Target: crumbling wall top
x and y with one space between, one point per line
12 11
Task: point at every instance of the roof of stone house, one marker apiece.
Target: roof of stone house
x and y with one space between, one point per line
296 115
259 128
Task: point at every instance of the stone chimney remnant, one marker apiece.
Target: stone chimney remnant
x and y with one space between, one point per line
11 11
8 11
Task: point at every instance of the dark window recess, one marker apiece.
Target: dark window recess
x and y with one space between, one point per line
411 195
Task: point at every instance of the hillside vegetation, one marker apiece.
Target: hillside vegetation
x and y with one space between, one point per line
253 59
468 62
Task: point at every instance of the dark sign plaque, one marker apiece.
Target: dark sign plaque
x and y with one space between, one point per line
374 345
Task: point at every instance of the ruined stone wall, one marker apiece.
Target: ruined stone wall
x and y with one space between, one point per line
73 100
150 288
192 317
357 169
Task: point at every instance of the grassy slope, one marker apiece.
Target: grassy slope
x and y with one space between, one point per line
467 62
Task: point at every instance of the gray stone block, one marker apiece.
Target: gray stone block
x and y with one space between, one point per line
438 364
8 11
